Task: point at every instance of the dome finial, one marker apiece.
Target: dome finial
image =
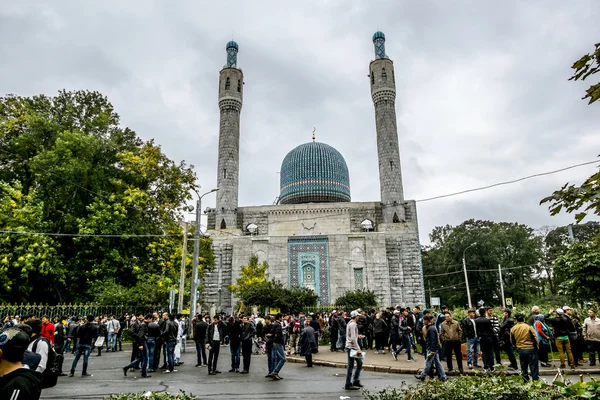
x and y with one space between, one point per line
232 50
313 136
379 43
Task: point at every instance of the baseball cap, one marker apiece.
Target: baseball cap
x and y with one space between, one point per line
565 308
559 311
354 314
396 311
13 343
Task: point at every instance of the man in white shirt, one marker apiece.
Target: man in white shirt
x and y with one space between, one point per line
214 334
113 327
41 344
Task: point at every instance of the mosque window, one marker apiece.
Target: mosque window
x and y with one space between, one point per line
367 225
239 86
252 229
383 75
395 219
223 224
225 173
391 165
372 78
227 83
308 274
358 278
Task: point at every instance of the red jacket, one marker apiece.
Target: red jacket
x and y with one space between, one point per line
48 331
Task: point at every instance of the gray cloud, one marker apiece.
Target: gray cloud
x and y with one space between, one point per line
482 89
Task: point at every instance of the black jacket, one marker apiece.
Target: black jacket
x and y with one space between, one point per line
60 334
169 334
154 331
505 328
142 334
379 326
234 331
276 332
315 325
562 325
21 383
200 331
484 327
87 334
468 328
403 328
210 332
248 332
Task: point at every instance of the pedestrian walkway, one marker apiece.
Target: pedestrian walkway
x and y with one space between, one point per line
386 363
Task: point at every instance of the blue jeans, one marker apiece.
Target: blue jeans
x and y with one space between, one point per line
269 348
84 349
151 343
429 361
201 352
529 358
112 342
278 357
405 345
142 356
472 350
359 364
170 346
341 342
487 352
234 349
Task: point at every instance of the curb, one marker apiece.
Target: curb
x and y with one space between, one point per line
412 371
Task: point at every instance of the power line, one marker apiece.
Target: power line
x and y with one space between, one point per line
125 236
506 182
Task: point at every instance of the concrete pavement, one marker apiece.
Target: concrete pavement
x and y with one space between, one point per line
386 363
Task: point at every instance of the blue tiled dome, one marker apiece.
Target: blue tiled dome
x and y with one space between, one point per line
314 173
378 35
231 44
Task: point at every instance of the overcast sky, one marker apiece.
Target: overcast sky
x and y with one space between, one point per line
482 89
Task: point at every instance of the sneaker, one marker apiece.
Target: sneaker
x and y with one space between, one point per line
376 351
244 372
351 387
232 370
85 374
420 377
125 371
146 376
510 368
443 379
470 366
411 360
212 373
357 384
275 377
166 371
395 355
382 351
71 375
268 375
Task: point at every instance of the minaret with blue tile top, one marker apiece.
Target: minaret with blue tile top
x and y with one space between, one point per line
383 93
231 89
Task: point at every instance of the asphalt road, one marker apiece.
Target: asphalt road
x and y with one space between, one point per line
299 382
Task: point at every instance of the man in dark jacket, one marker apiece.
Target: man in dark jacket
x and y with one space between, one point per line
504 337
60 342
140 341
169 336
432 347
154 334
200 339
214 334
562 325
234 331
308 342
278 347
16 382
333 330
72 334
247 337
485 332
314 323
86 336
469 329
161 348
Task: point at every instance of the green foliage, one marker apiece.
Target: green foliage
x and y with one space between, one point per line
514 246
360 298
152 396
580 267
274 294
79 172
582 199
588 65
250 275
473 388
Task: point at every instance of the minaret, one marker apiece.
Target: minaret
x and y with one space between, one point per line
231 83
383 92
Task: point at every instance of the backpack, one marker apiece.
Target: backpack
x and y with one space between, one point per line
296 326
50 374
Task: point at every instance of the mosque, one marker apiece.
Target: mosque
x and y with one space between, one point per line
314 235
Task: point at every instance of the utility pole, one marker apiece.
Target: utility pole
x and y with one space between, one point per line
501 285
194 285
466 276
182 275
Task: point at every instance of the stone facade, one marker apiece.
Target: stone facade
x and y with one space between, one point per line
331 247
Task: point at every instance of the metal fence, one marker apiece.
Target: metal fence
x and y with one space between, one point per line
80 310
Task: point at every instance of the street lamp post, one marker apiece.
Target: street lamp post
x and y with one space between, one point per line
194 285
466 277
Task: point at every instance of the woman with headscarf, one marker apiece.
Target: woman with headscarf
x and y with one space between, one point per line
544 335
308 342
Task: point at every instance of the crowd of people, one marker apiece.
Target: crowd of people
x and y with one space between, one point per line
32 350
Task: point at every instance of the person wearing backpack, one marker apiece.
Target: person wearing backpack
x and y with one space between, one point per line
16 381
60 342
295 329
42 346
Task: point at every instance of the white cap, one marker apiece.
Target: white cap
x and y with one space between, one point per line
565 308
559 311
334 311
354 314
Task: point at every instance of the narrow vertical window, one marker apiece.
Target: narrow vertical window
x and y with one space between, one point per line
225 173
223 224
372 78
383 75
239 86
396 219
227 83
392 165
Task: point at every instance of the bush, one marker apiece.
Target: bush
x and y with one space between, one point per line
489 387
152 396
354 299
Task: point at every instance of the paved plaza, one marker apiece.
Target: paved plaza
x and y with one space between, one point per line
298 381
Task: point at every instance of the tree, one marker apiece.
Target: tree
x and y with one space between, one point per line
580 267
588 65
355 299
89 176
250 275
513 246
